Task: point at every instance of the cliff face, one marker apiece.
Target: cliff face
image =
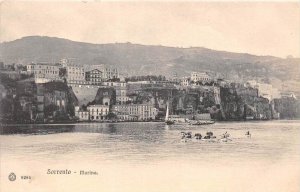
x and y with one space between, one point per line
105 96
289 108
25 101
237 106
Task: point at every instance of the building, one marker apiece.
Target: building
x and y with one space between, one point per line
111 73
140 112
67 61
107 72
185 81
105 96
265 90
121 91
94 77
98 112
75 74
44 70
200 76
82 114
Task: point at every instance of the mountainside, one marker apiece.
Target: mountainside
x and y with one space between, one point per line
134 59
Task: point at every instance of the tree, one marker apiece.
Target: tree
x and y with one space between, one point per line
62 72
50 109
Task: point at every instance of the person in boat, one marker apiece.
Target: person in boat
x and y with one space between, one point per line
209 135
198 136
225 135
187 135
248 134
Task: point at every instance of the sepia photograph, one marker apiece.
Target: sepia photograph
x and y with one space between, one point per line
149 96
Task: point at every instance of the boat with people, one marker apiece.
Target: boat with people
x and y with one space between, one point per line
185 136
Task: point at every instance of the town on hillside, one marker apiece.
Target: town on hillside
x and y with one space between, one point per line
67 92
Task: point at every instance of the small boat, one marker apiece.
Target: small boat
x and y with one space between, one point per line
169 122
225 137
186 135
203 119
201 122
174 119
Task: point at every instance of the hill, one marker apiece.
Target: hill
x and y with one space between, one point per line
135 59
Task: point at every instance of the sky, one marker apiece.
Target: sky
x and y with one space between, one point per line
259 28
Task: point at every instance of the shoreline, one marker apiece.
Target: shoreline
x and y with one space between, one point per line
98 122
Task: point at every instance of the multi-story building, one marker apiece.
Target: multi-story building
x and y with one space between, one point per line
94 77
121 91
44 71
107 72
82 114
139 112
185 81
98 112
111 73
200 76
75 74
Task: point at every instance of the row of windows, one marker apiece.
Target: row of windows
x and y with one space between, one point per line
40 67
96 76
77 73
48 72
75 68
106 110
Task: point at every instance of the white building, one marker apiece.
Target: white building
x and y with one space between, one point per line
200 76
138 111
185 81
265 90
98 112
44 71
82 115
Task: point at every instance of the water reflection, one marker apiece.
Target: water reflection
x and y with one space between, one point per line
36 129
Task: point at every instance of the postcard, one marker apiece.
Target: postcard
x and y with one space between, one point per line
149 96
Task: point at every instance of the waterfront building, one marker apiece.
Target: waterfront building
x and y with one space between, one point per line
98 112
140 112
82 114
